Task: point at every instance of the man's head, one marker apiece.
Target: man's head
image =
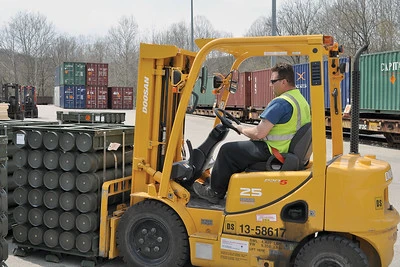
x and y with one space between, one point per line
282 78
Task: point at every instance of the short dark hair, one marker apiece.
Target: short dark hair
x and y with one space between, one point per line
285 71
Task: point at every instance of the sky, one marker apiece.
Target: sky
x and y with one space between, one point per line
94 18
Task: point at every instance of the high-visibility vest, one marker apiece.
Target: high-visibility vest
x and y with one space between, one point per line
281 134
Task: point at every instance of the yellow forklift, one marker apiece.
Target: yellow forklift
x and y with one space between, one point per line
319 212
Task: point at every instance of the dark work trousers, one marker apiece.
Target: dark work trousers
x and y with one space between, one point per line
235 157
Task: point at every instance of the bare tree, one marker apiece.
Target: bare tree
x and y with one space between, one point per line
33 38
387 32
65 49
203 28
9 61
122 50
97 51
260 27
298 17
357 22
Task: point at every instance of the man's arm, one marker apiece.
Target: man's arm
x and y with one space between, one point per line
257 132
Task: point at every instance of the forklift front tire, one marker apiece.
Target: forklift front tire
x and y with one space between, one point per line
150 233
331 250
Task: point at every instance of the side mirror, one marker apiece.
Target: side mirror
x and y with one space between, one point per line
203 79
176 77
234 81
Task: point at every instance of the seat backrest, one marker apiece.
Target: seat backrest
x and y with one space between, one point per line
301 144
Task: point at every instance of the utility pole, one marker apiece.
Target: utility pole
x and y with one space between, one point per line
191 23
273 58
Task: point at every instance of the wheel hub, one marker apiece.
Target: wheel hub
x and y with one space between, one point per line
150 240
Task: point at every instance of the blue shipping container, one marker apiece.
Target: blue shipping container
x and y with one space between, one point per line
67 96
80 96
344 84
302 81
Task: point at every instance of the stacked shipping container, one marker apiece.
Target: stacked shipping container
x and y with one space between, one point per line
96 85
85 86
120 97
70 90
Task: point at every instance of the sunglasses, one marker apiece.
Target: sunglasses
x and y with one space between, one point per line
274 81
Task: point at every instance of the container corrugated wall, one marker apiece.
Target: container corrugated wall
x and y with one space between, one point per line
380 82
80 73
96 97
70 73
102 97
67 96
115 97
67 75
261 91
91 97
57 96
57 77
120 97
242 98
208 98
80 96
91 73
102 74
71 96
302 79
127 98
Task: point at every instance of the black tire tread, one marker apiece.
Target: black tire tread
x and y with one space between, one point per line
165 212
317 242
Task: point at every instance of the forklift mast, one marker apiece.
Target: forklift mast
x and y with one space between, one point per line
160 112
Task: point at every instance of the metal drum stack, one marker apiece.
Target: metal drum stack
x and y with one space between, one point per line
3 199
59 189
7 128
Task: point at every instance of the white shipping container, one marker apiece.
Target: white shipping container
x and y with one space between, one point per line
57 96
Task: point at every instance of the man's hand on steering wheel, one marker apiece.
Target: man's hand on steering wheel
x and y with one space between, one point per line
226 119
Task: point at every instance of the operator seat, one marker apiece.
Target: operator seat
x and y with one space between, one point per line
296 159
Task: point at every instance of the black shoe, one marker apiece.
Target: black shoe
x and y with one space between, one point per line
205 192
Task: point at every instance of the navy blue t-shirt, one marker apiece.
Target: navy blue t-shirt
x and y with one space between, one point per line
278 111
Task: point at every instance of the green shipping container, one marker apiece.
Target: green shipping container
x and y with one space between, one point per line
80 73
67 75
380 83
208 98
72 73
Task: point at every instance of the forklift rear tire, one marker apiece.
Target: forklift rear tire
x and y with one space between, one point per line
150 233
331 250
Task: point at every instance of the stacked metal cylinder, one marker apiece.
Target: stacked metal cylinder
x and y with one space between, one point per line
3 199
7 128
61 169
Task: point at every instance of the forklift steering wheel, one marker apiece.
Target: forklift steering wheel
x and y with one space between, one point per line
226 119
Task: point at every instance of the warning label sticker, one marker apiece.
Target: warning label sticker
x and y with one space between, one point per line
235 245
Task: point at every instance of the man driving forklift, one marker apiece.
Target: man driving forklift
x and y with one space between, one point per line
280 120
